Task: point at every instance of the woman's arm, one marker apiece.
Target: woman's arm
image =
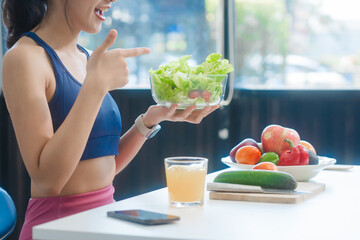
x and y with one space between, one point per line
51 158
133 140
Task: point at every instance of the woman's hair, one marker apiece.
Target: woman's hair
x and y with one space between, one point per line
21 16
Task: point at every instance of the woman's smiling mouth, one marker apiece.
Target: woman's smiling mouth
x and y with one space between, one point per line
99 12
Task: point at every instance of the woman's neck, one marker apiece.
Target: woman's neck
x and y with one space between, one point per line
56 31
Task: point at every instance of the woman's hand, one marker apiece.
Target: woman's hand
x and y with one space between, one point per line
156 114
108 68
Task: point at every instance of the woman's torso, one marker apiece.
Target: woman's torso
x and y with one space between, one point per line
89 175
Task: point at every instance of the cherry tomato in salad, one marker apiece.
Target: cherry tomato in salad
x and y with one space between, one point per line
206 95
194 94
248 155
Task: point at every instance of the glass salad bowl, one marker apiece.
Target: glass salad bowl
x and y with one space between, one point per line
188 89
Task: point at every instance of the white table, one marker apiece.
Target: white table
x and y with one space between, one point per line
332 214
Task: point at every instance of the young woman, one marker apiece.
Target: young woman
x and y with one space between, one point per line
66 123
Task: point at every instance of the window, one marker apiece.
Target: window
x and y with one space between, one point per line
297 44
278 44
171 28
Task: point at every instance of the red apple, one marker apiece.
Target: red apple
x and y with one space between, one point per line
245 142
273 136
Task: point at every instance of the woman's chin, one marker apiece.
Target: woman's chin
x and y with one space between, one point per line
94 29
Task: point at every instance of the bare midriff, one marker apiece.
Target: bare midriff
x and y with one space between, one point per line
89 175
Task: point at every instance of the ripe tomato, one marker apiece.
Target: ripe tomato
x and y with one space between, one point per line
266 166
206 95
308 146
248 155
194 94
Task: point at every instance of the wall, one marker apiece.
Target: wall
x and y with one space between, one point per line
327 119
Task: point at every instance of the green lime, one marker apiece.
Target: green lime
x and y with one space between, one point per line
270 157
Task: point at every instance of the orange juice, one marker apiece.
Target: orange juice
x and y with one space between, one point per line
186 183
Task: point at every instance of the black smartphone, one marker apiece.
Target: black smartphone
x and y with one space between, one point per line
143 217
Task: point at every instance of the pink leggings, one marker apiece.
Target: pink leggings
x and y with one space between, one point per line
41 210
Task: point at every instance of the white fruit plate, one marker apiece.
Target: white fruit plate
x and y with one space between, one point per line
301 173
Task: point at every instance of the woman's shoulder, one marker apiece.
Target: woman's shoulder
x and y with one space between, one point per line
24 50
27 56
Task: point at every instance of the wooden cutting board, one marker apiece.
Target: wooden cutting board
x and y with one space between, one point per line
312 187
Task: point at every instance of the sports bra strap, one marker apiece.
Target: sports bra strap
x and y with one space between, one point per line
84 50
53 55
39 41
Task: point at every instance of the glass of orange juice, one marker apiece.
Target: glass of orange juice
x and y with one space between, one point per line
185 178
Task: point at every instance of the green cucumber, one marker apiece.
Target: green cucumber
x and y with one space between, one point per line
262 178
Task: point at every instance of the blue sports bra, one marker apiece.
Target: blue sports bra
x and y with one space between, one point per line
105 134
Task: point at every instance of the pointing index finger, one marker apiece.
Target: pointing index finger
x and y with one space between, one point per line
134 52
